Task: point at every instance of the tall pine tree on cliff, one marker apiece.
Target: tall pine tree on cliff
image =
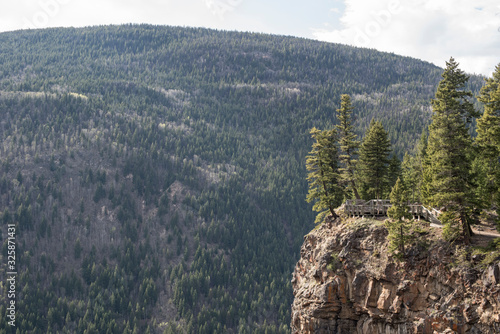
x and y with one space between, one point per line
324 179
374 162
487 166
399 225
348 145
488 125
448 159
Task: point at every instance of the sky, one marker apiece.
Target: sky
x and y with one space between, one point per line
432 30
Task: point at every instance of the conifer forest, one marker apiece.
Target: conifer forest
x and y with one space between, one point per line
157 176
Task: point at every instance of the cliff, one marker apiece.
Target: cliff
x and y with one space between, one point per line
347 282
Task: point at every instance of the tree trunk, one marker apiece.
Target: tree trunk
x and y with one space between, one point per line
356 194
334 214
332 211
467 231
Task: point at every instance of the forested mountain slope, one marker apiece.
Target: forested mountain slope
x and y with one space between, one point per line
157 174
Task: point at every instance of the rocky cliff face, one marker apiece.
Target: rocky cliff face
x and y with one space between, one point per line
345 282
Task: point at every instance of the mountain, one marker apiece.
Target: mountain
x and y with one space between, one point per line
156 175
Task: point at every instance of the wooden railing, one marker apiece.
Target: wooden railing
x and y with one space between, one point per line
379 207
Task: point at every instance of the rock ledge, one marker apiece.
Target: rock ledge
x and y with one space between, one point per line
345 282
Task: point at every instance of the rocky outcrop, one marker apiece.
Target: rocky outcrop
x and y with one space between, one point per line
345 282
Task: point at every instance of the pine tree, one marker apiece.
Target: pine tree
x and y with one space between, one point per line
348 145
488 125
409 176
447 166
486 166
422 176
399 225
324 178
394 170
374 162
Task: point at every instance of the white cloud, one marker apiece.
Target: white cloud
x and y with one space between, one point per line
432 30
33 14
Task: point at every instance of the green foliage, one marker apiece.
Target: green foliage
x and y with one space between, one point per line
163 204
410 176
461 258
77 251
412 171
100 193
491 252
394 170
334 262
448 157
359 224
486 166
325 188
399 224
399 200
451 225
451 98
348 144
374 162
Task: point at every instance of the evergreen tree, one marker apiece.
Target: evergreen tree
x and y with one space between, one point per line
447 167
374 162
324 178
348 145
486 166
409 176
422 178
399 225
394 170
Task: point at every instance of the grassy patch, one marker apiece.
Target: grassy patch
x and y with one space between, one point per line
490 253
334 262
358 224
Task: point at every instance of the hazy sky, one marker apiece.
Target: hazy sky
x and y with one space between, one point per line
433 30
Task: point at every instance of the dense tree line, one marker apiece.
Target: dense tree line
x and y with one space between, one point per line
336 172
452 170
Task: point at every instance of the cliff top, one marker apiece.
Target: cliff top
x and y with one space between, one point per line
347 282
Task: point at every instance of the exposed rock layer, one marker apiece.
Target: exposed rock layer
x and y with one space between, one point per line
346 283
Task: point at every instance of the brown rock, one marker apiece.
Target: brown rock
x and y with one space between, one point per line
384 300
372 295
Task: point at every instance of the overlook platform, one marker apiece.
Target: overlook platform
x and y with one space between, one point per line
379 207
